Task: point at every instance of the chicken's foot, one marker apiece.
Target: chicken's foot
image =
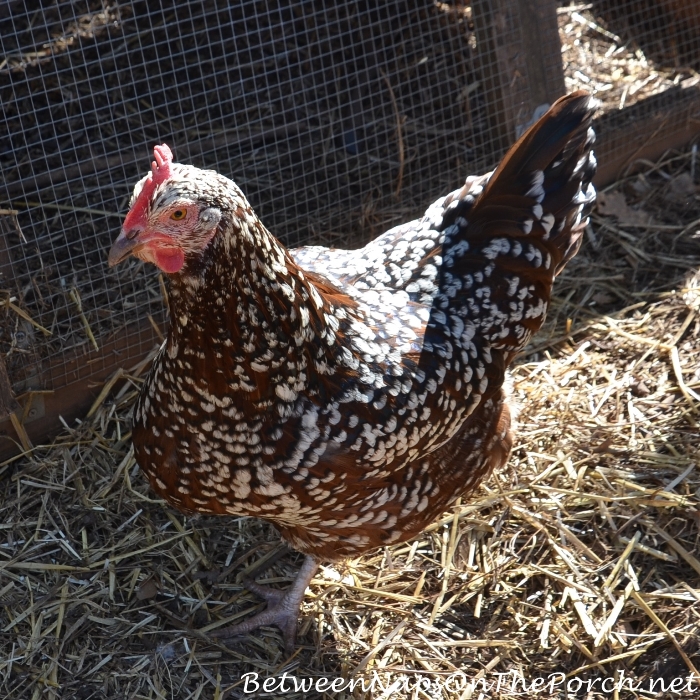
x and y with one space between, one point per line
282 607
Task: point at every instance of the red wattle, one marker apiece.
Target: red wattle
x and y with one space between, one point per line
169 260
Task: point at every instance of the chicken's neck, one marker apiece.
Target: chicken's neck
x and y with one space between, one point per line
249 309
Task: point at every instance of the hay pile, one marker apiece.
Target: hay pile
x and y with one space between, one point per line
606 50
578 558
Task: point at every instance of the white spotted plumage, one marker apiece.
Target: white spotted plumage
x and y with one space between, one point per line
350 396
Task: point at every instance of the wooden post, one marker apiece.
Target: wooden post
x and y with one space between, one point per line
519 56
8 404
540 33
7 221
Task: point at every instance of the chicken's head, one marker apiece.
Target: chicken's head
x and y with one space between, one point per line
172 215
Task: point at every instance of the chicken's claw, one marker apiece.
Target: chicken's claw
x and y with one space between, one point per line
282 607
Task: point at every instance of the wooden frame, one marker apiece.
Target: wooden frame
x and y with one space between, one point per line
646 129
42 420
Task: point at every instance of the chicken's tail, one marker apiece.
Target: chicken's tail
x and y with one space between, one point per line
504 244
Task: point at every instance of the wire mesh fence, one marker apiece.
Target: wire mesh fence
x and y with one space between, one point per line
337 120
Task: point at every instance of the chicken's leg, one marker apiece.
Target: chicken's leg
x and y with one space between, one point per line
282 607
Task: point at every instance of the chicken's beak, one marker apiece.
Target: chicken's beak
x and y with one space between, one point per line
123 246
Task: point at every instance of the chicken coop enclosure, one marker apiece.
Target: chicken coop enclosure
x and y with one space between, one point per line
338 120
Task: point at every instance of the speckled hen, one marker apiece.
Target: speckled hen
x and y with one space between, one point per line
349 397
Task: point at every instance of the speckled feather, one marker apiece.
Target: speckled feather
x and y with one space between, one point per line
351 396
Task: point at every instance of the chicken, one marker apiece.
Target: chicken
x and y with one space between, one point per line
348 397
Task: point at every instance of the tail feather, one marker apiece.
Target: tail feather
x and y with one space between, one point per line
507 244
551 165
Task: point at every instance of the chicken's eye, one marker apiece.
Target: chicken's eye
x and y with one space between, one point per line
179 214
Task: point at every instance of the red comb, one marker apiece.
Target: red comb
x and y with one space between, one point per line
160 167
160 172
